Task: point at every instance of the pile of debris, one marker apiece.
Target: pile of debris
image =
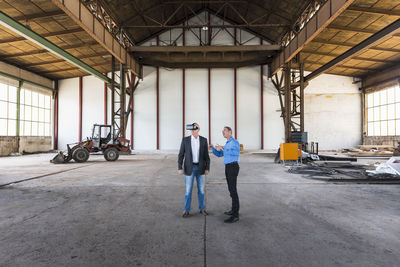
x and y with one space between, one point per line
388 172
370 151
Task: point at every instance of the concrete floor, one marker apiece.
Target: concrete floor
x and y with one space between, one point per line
128 213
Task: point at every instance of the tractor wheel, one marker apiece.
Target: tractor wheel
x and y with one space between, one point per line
80 154
111 154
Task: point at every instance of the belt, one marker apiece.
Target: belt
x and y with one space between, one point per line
195 163
232 163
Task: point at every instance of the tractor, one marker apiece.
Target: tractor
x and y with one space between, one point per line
102 140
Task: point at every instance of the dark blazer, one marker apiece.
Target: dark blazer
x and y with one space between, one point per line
185 156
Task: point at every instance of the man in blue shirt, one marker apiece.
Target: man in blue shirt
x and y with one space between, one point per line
230 152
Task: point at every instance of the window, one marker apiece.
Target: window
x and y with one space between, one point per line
34 111
8 110
383 112
35 114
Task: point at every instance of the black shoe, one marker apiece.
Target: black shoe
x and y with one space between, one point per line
204 212
228 213
232 219
185 214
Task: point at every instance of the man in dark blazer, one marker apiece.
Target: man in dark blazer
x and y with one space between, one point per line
194 157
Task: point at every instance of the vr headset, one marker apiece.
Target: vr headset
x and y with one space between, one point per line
191 127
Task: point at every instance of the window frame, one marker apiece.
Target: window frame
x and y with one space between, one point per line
382 123
9 131
16 120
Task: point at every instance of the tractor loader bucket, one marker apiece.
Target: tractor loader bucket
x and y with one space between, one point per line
59 158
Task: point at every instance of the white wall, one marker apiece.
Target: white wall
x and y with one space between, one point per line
196 99
333 112
274 131
92 104
145 111
222 103
332 105
92 108
170 108
249 106
68 112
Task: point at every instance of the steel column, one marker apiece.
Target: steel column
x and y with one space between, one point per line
262 105
291 86
209 28
183 102
262 101
287 113
302 86
18 107
183 89
105 102
235 99
209 105
364 127
113 95
55 129
122 95
235 88
80 108
158 101
131 106
158 106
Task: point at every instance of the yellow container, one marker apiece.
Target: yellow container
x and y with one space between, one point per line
290 151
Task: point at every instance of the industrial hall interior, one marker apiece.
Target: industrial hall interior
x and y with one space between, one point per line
200 133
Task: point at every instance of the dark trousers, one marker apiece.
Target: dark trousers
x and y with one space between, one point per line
231 173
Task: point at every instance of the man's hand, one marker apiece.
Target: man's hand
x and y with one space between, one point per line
219 148
206 172
180 172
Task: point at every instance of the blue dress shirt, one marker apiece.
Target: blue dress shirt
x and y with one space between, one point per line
231 151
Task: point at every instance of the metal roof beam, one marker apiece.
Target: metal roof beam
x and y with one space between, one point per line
351 45
68 69
378 11
50 34
352 29
40 15
204 49
356 58
322 18
81 15
370 41
27 33
42 51
61 60
340 66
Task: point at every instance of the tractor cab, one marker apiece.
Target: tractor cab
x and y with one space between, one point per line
101 135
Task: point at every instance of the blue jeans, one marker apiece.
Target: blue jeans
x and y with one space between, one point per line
189 180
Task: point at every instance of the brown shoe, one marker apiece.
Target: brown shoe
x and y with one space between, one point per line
204 212
185 214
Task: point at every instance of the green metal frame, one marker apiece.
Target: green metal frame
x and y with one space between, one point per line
17 27
19 106
25 81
